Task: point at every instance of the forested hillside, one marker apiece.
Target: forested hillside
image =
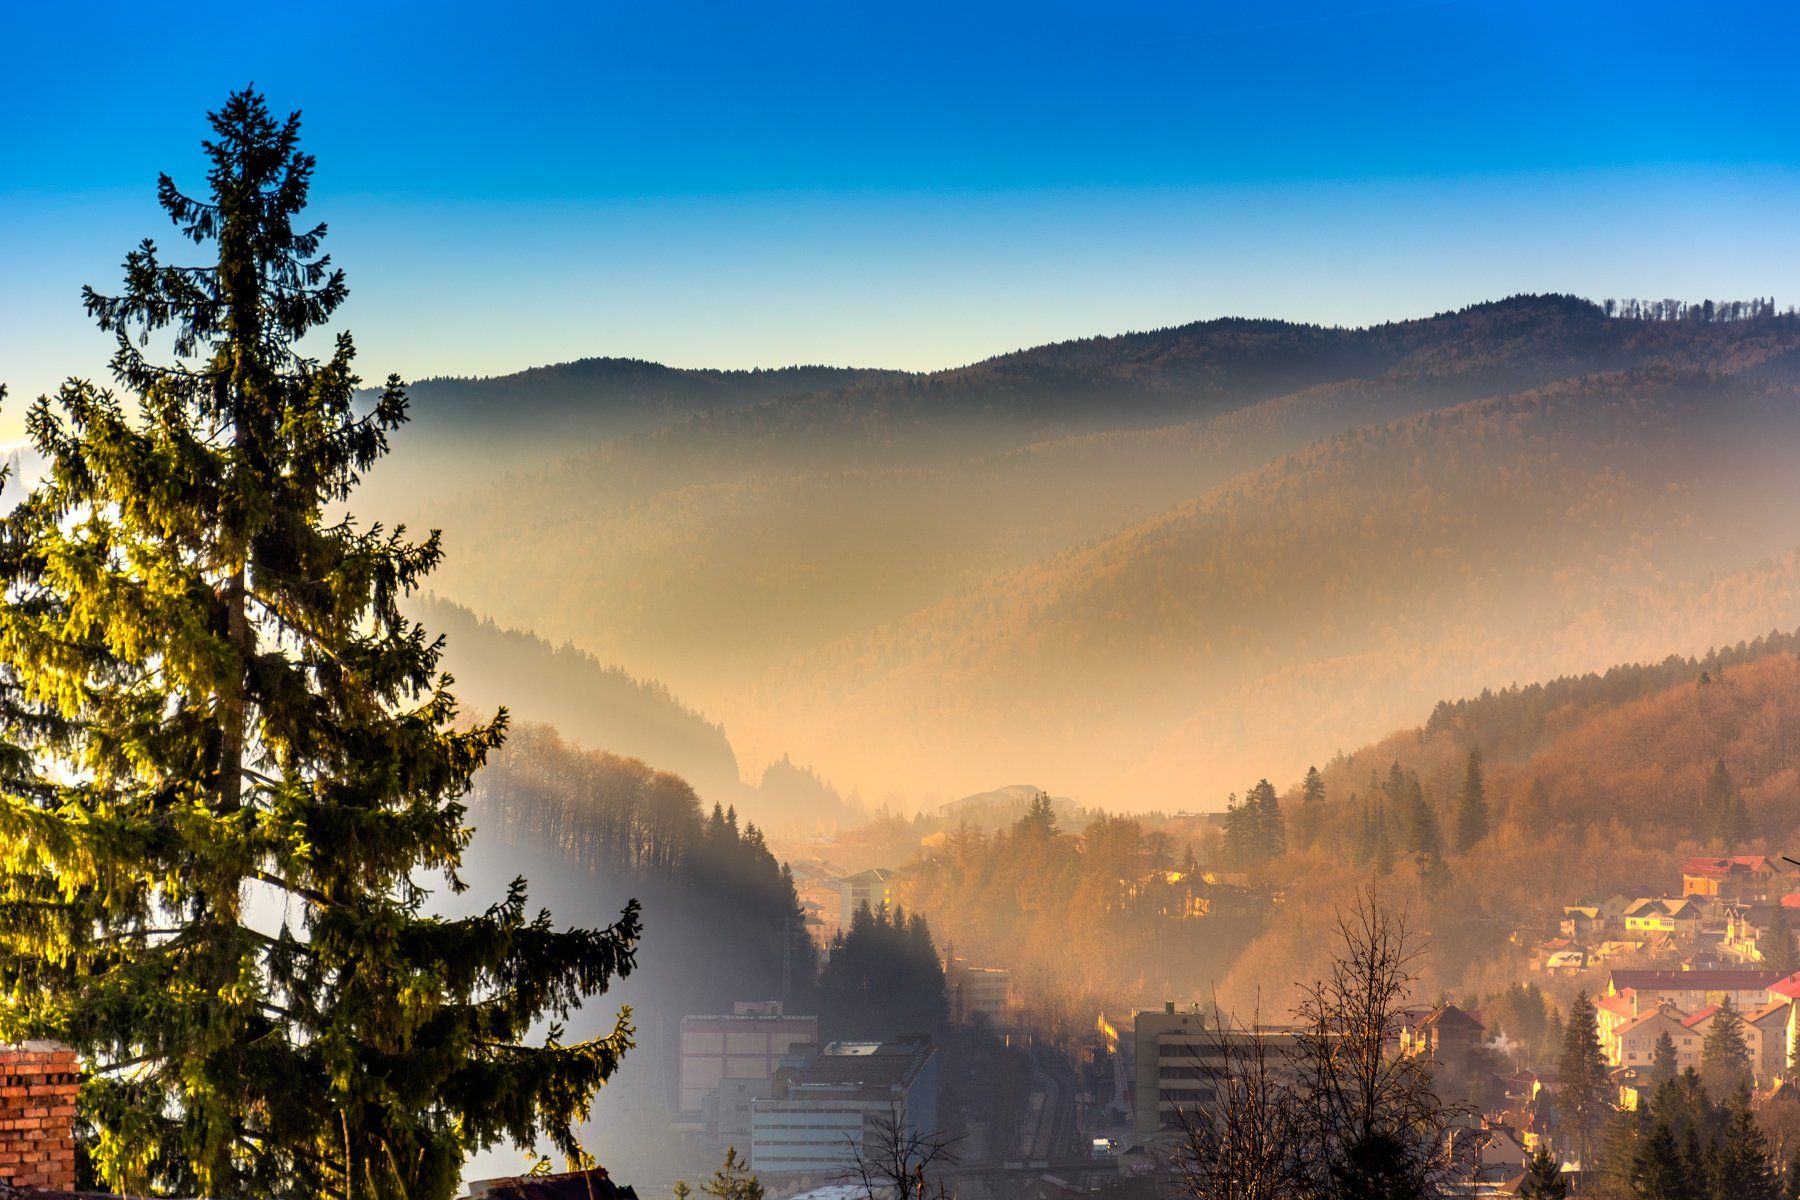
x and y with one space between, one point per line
592 830
1084 562
1588 784
598 705
1318 600
603 708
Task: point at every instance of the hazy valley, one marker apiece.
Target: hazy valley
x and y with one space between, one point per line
1140 567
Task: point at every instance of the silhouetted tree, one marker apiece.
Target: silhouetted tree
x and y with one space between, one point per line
1472 808
1312 808
1581 1074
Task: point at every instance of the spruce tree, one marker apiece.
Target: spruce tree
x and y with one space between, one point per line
1742 1169
1040 817
1312 807
1581 1069
1660 1172
1776 945
1615 1153
232 765
1472 810
1664 1065
1696 1166
1725 1064
1383 856
1544 1178
1235 839
1723 815
1419 820
1268 830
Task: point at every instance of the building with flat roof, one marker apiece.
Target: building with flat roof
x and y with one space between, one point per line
1177 1058
977 991
748 1044
822 1112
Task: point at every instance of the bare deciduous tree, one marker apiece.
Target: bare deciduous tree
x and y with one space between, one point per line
1376 1123
893 1160
1244 1142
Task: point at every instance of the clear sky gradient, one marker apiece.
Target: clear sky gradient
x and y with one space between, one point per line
913 185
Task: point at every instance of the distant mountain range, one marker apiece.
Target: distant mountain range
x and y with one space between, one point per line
1144 568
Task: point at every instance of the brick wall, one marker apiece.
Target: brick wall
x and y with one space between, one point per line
38 1082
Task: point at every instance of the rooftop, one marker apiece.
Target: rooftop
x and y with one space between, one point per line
1724 980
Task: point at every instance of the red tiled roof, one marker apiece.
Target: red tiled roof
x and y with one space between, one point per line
1700 1016
1638 1020
1789 987
1624 1004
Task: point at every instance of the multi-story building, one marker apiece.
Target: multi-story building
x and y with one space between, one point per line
1632 1043
973 992
1447 1037
1178 1057
1691 991
843 1098
873 887
822 900
748 1044
1748 877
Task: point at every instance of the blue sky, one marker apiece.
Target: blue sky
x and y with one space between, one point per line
916 185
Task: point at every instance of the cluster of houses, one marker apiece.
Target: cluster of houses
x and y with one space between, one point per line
1719 919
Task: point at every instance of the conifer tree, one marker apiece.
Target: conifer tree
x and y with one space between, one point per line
232 765
1777 943
1268 831
1240 832
1696 1166
1723 815
1664 1065
1742 1169
1041 817
1660 1173
1384 841
1312 807
1725 1053
1419 821
1544 1178
1472 810
733 1180
1615 1155
1581 1069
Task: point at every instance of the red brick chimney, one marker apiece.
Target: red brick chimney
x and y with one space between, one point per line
38 1082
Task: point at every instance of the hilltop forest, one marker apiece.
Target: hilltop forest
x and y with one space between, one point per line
1151 567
